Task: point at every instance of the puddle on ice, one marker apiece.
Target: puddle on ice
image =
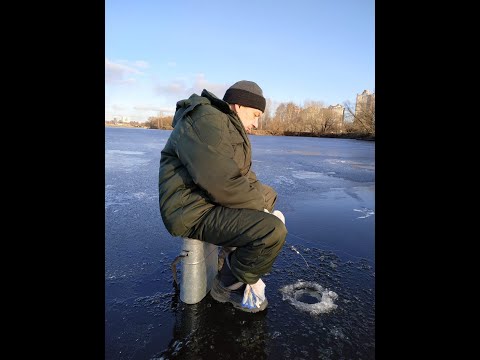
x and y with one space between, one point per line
310 297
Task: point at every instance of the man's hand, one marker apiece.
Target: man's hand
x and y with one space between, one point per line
277 213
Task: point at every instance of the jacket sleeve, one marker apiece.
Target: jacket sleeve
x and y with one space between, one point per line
205 150
269 194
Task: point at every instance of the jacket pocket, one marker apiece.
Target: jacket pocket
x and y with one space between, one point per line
238 145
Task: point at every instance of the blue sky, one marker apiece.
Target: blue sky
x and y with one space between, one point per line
160 51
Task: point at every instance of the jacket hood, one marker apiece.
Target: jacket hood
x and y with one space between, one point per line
206 98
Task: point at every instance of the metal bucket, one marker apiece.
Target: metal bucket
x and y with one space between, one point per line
199 268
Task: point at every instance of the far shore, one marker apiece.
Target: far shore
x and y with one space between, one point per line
356 136
127 126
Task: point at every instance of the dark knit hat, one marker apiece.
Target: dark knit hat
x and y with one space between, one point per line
246 93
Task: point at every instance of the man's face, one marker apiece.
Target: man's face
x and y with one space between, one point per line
249 117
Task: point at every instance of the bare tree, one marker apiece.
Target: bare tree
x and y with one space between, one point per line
275 127
152 122
267 115
311 116
363 117
288 114
329 121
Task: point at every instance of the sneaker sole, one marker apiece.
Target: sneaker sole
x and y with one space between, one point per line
219 293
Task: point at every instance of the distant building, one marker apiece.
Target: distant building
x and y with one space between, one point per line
365 103
365 112
338 112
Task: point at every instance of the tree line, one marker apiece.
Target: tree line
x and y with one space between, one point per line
311 119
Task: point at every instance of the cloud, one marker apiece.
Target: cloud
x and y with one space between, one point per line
201 83
141 64
116 73
116 107
175 88
171 64
154 108
136 112
178 89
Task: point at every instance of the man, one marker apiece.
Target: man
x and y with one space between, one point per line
207 190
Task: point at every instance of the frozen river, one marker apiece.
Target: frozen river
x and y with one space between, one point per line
326 190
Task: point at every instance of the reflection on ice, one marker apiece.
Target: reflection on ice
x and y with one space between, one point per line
124 160
366 212
124 152
302 293
356 164
282 179
307 175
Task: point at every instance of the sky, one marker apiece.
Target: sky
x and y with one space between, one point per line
158 52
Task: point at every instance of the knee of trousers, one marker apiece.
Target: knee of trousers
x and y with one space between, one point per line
278 235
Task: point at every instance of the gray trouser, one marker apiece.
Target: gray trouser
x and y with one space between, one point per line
257 235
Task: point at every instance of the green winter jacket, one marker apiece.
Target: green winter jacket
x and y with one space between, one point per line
207 162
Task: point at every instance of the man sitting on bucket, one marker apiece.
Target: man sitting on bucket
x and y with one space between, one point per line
208 191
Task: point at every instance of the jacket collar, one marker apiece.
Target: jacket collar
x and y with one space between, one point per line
215 101
224 107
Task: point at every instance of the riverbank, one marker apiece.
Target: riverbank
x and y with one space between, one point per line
126 126
351 135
